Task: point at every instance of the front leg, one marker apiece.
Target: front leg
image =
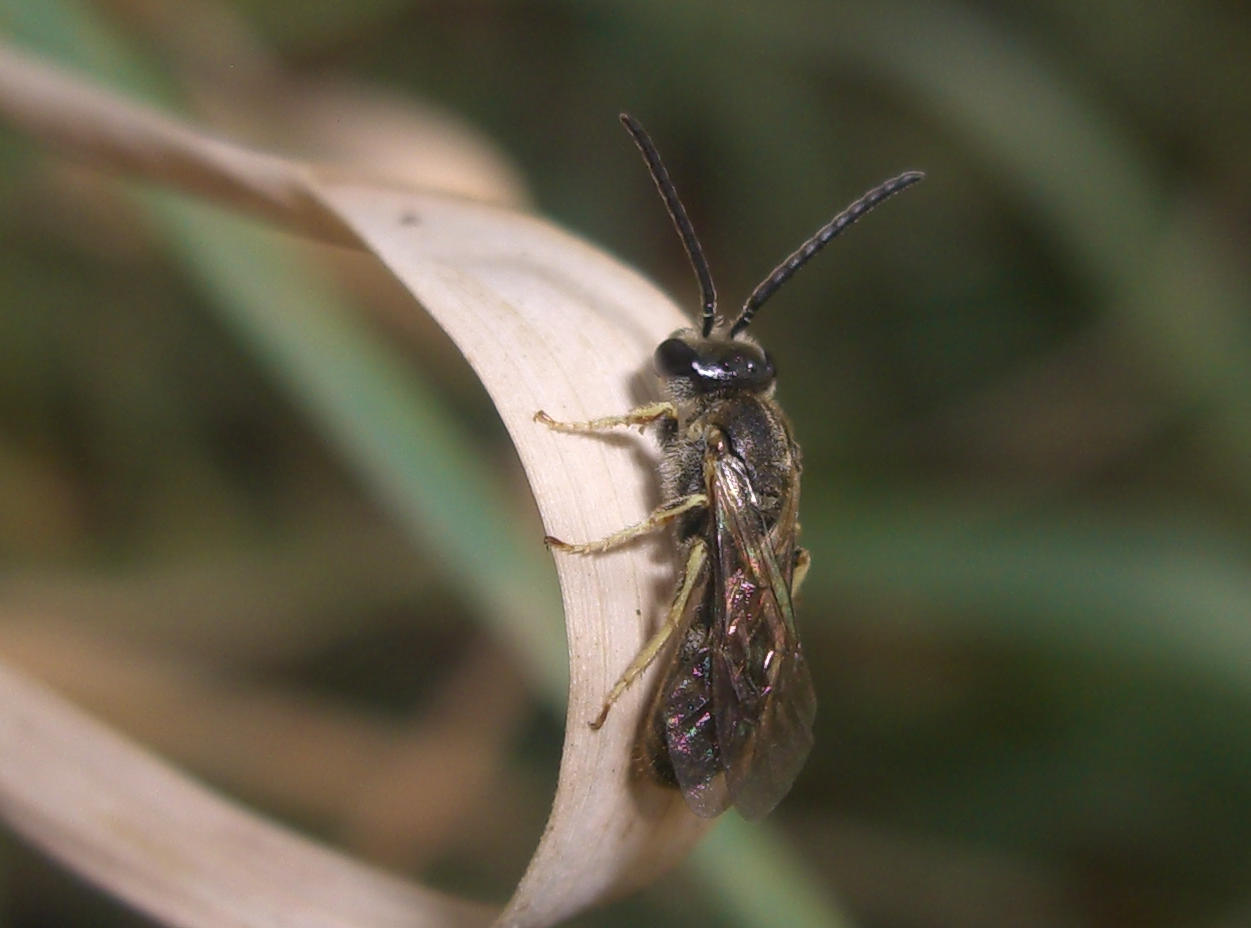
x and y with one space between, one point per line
643 415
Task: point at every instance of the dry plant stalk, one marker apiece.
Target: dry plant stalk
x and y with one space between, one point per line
547 322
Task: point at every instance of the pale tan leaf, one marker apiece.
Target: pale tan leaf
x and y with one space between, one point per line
138 828
550 323
258 738
392 138
99 129
547 322
401 142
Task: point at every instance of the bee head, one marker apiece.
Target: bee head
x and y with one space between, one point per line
697 364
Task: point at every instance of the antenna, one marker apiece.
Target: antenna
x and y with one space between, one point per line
681 222
782 273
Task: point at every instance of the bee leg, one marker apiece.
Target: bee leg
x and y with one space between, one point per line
662 515
803 560
694 563
643 415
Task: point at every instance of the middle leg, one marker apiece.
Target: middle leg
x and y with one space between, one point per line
662 515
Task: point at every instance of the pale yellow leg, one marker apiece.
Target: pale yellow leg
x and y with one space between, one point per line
661 515
643 415
694 562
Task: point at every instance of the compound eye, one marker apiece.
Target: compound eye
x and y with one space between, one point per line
748 368
770 371
675 358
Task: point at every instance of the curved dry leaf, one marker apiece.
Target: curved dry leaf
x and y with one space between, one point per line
547 322
138 828
392 139
99 129
398 142
258 738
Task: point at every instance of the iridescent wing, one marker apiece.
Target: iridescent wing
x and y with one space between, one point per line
682 744
762 700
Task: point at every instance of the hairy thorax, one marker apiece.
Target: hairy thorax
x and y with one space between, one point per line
758 434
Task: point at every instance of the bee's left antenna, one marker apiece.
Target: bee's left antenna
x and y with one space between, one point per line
682 222
782 273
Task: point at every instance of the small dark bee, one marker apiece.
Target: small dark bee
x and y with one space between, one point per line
731 722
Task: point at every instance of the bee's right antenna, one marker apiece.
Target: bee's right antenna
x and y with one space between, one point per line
782 273
682 222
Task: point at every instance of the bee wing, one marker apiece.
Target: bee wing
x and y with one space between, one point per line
683 718
762 698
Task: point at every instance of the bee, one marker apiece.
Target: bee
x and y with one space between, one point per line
731 721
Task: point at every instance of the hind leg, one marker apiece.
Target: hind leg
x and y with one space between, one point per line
694 564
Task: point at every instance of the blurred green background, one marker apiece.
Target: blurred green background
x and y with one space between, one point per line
1023 391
